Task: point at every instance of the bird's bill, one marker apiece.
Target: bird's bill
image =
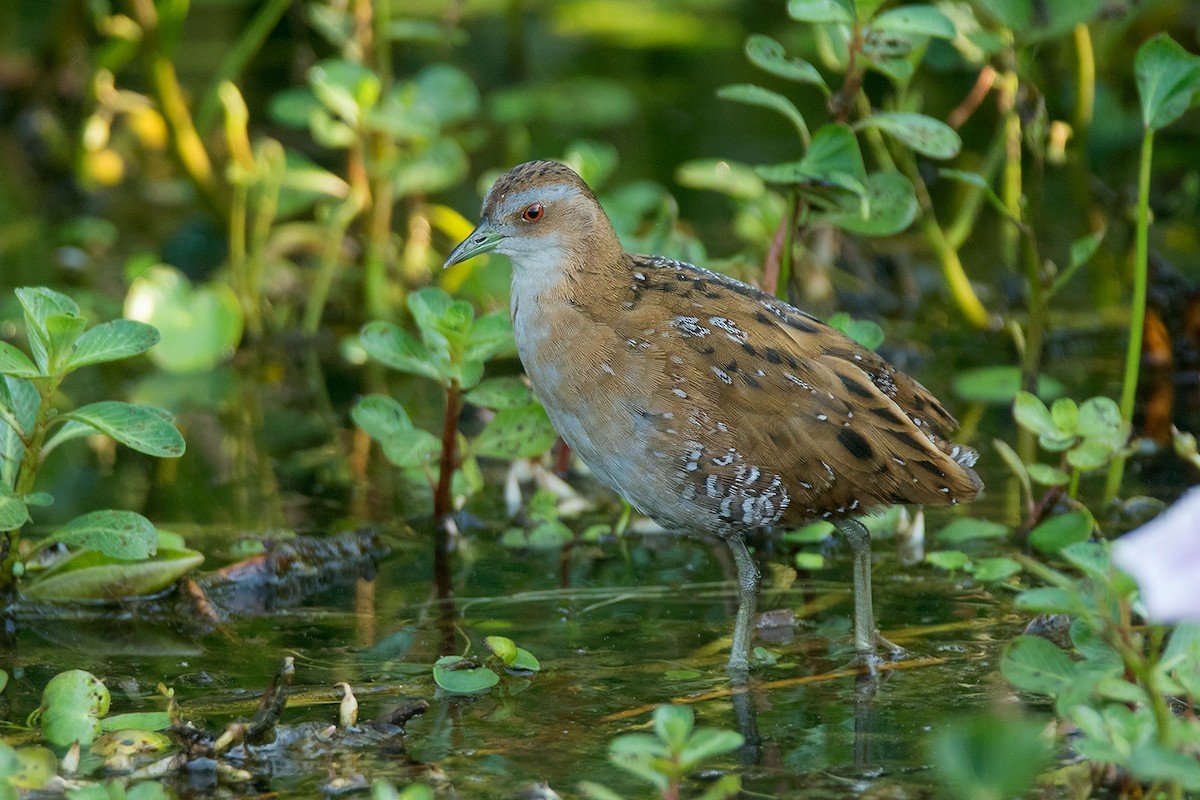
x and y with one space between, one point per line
483 239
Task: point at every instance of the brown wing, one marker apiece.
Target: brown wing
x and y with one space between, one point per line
774 416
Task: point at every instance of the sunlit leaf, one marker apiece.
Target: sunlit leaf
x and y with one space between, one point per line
926 135
1168 79
200 326
142 428
718 175
345 87
767 54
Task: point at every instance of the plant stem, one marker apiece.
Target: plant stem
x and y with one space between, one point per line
336 222
1137 313
1085 83
442 501
1010 187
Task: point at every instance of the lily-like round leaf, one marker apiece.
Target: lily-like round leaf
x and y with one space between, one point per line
470 680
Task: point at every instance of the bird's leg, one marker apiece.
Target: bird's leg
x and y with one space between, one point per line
739 652
867 639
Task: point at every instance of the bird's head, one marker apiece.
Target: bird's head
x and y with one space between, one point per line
544 217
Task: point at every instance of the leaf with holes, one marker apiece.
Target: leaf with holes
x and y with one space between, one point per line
143 428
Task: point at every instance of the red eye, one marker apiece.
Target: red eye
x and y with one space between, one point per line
533 213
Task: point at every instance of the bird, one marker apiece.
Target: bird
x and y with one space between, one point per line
708 404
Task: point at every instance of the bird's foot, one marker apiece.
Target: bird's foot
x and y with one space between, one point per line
883 651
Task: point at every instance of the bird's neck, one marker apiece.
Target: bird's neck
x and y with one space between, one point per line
568 268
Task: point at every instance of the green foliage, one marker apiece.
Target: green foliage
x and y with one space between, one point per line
452 350
666 758
119 543
201 326
1111 684
988 757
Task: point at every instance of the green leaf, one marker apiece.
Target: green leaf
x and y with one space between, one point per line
1168 78
500 393
526 660
1047 475
143 428
1000 384
995 569
1089 455
1036 665
13 512
891 207
758 96
1015 464
1100 418
809 561
989 755
14 362
1065 413
1057 532
398 349
200 326
348 89
112 341
595 791
918 20
427 170
966 529
830 11
380 416
673 725
119 534
411 448
489 336
833 158
1048 600
1016 15
720 175
924 134
1032 414
767 54
62 332
864 331
448 93
521 432
39 304
708 742
91 575
504 648
950 560
452 675
140 720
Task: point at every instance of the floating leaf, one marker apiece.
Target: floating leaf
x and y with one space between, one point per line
143 428
140 720
926 135
504 648
758 96
995 569
1168 79
950 560
112 341
72 703
767 54
119 534
457 675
